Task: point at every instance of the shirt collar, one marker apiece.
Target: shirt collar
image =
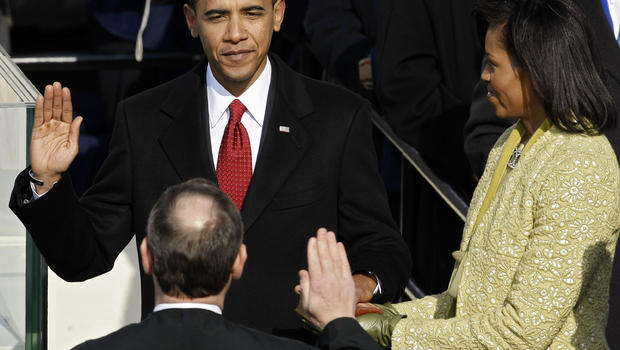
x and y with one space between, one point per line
254 98
208 307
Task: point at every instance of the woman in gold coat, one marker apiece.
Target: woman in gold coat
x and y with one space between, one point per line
535 260
534 264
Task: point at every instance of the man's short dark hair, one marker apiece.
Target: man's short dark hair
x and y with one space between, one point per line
552 42
192 3
190 261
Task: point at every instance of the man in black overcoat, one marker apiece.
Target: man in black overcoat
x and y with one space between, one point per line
312 165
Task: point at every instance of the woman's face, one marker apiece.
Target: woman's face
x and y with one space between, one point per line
505 90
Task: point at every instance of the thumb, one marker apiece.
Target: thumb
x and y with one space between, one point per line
304 286
74 132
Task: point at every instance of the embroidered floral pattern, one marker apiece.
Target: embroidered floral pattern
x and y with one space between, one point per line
537 267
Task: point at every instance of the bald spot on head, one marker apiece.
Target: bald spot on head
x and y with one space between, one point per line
193 212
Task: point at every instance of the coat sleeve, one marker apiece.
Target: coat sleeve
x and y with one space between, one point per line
365 223
438 306
346 334
81 238
575 215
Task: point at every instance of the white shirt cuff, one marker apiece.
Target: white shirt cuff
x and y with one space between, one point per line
35 195
378 290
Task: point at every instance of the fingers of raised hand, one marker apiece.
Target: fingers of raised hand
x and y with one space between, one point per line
334 253
324 250
344 261
67 106
38 112
57 100
314 263
48 95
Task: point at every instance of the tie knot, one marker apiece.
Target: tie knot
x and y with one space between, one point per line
236 111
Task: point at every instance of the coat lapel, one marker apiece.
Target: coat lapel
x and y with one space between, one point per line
185 141
286 141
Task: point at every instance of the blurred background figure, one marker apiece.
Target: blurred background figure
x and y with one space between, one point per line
290 43
115 26
428 60
483 127
342 35
131 28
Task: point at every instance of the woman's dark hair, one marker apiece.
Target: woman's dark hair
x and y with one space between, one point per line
552 42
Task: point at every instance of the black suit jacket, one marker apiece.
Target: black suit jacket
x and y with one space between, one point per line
321 173
200 329
483 128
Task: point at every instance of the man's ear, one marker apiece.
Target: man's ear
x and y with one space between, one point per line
237 268
278 14
145 254
190 19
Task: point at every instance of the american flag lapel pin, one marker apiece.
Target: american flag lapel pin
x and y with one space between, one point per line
285 129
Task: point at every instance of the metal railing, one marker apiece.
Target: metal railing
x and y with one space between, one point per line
97 61
445 191
412 157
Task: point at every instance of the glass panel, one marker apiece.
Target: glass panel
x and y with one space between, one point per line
22 284
12 232
7 95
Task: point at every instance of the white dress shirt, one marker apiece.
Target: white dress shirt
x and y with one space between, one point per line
209 307
255 101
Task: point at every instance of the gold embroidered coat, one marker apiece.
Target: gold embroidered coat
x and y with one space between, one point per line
534 271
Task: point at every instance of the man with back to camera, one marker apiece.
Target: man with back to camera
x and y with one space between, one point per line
194 250
300 156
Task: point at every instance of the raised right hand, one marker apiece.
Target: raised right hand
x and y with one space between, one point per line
54 143
327 287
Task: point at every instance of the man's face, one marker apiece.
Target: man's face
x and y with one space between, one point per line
235 36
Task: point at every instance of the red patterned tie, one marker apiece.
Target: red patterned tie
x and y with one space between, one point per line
234 163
